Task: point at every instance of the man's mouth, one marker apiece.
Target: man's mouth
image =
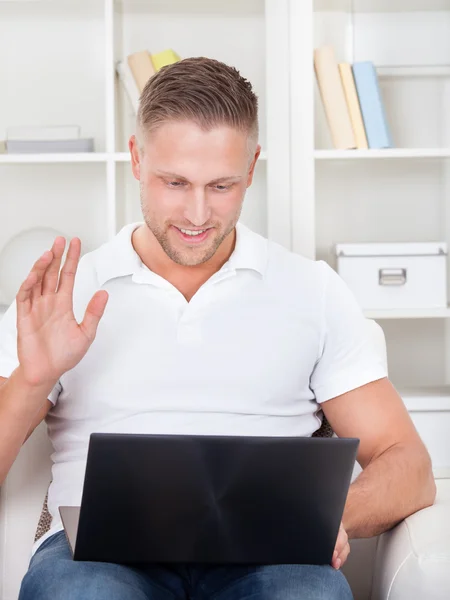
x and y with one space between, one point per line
193 235
192 232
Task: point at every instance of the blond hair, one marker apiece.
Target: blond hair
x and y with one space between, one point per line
203 90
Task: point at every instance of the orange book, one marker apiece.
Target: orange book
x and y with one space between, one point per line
141 66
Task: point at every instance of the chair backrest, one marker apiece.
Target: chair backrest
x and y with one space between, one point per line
23 493
21 498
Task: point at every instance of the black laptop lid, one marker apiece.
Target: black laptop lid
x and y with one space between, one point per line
213 499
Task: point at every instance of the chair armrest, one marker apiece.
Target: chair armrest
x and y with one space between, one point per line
413 558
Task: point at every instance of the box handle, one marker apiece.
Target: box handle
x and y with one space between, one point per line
392 276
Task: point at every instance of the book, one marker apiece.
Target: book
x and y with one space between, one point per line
166 57
351 96
141 66
371 103
53 146
129 83
333 98
51 132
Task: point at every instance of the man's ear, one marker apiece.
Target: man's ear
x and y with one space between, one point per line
253 165
135 157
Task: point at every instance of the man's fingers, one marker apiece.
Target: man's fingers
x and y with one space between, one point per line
341 541
341 549
23 297
340 559
344 554
39 268
94 312
67 276
50 279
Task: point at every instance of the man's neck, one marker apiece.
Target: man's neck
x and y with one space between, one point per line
186 279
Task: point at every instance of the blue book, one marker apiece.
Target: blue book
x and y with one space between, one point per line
371 103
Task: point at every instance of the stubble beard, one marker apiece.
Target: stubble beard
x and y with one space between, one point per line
190 257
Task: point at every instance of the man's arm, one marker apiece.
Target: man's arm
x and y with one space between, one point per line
397 478
40 416
22 408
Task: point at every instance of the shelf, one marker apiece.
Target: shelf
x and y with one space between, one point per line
413 313
383 153
63 157
82 157
195 6
381 5
413 71
122 157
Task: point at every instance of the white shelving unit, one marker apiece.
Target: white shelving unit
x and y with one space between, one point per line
394 195
382 153
61 70
430 313
305 195
82 157
390 195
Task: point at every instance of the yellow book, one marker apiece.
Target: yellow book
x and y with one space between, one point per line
141 66
351 95
333 98
166 57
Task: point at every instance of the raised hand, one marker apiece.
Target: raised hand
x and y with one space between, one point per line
50 341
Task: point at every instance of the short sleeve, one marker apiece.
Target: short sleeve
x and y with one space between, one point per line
349 356
8 348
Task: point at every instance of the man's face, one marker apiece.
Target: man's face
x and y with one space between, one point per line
192 184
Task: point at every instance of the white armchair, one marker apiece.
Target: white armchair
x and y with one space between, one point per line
410 562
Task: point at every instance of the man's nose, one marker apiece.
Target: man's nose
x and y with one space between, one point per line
197 209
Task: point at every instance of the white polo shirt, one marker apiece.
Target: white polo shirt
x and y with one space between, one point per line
263 341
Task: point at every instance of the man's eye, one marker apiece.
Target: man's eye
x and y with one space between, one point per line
175 184
222 188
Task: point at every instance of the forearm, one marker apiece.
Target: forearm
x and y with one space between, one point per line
393 486
19 404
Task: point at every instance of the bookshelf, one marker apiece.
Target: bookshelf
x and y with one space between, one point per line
70 78
400 194
306 195
397 194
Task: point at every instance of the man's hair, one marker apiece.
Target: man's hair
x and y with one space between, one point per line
203 90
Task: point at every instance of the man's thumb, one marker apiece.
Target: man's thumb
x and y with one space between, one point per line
94 312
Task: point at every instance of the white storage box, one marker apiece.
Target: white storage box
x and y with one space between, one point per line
395 275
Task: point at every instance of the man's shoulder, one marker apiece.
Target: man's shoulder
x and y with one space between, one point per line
283 263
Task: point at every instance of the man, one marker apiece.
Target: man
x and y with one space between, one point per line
200 326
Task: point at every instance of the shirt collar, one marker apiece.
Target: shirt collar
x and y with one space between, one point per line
118 258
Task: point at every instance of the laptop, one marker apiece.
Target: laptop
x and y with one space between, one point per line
210 499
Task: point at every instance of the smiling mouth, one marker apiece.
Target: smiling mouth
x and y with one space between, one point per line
193 235
192 232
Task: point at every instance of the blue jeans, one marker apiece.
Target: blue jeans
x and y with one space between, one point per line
53 575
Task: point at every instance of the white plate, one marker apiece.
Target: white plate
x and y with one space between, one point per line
18 256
